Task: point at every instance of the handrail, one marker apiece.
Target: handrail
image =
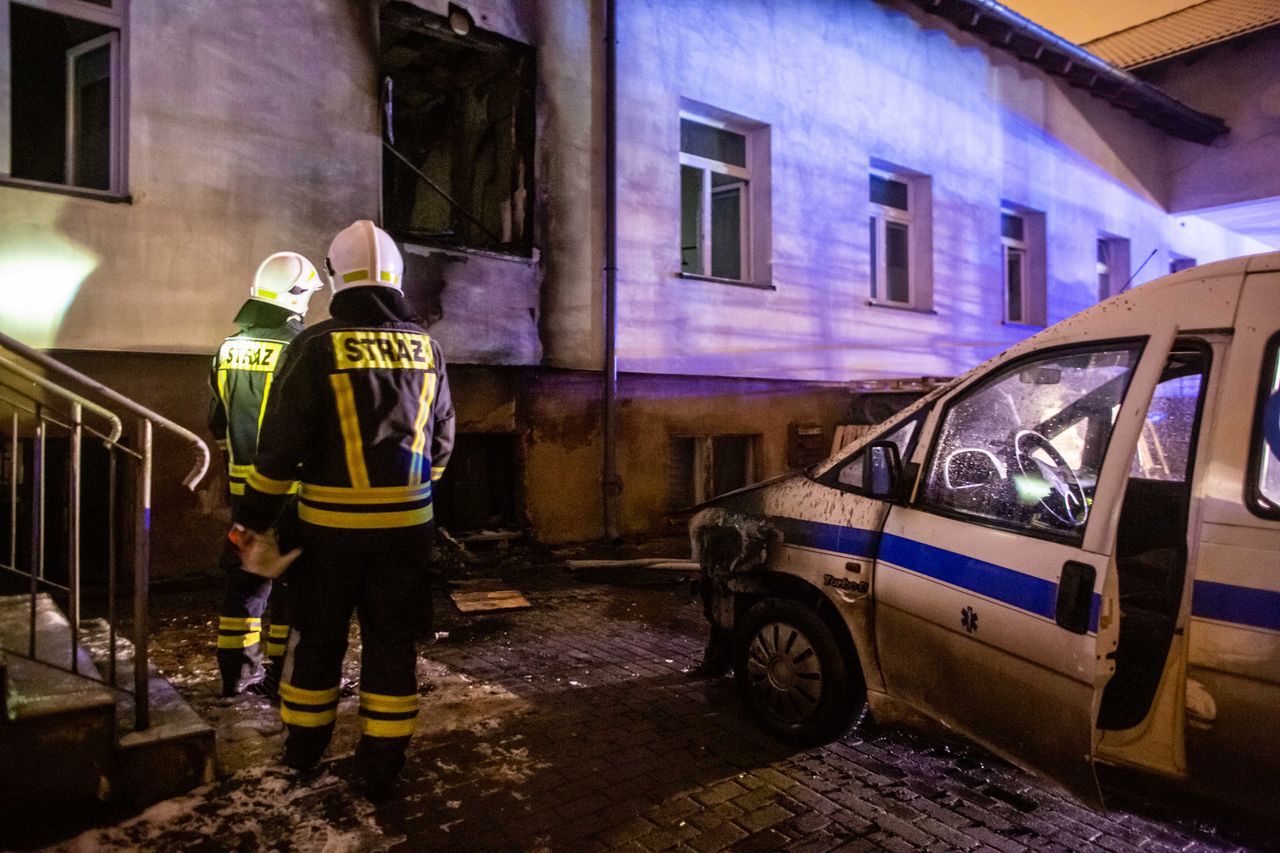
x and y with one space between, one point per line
202 450
117 429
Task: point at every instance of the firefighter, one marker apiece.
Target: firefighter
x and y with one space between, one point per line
362 414
240 379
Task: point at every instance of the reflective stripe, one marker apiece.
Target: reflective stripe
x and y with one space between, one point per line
389 704
236 488
365 520
350 425
309 719
354 275
425 400
302 696
239 623
267 294
278 632
387 728
262 483
238 641
222 398
276 649
371 495
239 470
266 389
436 473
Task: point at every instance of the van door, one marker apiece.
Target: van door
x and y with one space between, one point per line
995 606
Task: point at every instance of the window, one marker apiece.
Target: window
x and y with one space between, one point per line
461 115
718 198
898 245
1022 239
1178 263
1023 449
849 474
709 465
1113 265
1165 446
65 94
1264 471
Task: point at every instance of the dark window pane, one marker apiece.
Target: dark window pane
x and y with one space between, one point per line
726 231
1013 283
691 220
724 146
1011 226
888 192
681 492
1103 254
897 284
874 270
730 463
1180 264
91 151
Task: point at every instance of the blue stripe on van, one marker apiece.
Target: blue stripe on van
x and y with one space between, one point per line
1243 605
1008 586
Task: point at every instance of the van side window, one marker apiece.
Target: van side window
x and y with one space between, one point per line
850 473
1264 472
1023 448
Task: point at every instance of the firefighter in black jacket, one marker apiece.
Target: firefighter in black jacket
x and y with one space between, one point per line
240 379
361 415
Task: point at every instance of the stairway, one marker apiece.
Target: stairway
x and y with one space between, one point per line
68 737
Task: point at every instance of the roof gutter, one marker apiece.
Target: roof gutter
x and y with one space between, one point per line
1006 30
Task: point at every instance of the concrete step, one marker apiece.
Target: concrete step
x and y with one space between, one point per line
58 732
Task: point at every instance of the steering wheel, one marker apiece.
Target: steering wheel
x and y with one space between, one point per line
1065 500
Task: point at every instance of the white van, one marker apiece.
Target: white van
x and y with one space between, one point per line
1071 554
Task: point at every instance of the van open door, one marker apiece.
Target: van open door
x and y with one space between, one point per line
996 608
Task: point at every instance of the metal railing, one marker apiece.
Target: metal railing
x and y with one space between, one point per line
40 398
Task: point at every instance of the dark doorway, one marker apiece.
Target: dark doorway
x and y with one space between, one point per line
481 485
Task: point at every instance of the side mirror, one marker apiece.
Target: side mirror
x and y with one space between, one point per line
882 471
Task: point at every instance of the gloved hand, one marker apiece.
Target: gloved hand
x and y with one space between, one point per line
260 552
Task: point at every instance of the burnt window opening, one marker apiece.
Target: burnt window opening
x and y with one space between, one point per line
480 486
462 112
701 467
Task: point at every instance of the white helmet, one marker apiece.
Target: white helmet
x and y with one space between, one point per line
363 254
286 279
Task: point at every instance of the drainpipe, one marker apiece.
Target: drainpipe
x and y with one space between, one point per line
609 482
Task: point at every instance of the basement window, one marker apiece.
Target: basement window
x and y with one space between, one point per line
62 110
704 466
461 113
479 489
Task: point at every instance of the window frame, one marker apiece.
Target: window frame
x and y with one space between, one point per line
1010 245
114 16
1269 375
1116 266
702 477
1074 538
743 174
881 215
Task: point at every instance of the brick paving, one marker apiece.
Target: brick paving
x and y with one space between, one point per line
575 725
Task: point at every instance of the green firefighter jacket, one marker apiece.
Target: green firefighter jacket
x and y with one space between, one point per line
241 378
361 415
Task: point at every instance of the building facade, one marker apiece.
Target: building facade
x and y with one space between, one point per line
815 198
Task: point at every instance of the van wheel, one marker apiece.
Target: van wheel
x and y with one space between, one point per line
792 674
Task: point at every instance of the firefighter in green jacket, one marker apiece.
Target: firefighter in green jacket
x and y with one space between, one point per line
240 379
361 414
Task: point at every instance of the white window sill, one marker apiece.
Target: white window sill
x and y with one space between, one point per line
65 189
899 306
733 281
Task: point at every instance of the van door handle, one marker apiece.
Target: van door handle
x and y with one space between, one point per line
1075 596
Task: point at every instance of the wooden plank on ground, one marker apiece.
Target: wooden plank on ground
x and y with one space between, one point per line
485 601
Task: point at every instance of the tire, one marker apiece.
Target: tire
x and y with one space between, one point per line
792 674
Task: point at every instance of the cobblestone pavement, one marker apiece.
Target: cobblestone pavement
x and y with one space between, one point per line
575 725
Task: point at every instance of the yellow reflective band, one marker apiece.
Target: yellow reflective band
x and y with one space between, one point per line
371 495
266 389
313 275
365 520
437 473
262 483
239 623
244 354
309 719
354 275
425 398
267 293
236 488
383 350
239 470
303 696
349 423
388 704
387 275
238 641
275 650
387 728
278 632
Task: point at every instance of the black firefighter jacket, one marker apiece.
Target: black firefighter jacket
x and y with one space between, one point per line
361 414
241 378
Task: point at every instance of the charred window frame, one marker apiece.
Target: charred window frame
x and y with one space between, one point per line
704 466
461 111
63 121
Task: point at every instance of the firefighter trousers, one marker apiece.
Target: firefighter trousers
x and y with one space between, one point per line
385 587
240 646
